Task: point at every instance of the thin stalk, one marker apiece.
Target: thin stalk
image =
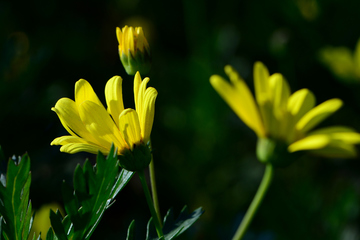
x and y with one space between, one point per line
259 196
153 188
150 204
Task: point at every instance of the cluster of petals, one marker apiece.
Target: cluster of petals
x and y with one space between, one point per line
131 40
277 114
93 128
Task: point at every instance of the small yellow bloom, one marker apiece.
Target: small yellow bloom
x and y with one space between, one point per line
41 222
283 120
134 50
344 63
93 128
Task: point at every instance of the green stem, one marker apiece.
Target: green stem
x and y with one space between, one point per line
264 185
153 188
150 204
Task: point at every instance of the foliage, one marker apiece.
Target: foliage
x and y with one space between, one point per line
15 207
172 227
95 187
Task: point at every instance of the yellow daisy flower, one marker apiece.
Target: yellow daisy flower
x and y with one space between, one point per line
282 120
134 50
92 128
343 62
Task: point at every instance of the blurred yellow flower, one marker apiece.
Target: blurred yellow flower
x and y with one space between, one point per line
41 222
134 50
342 62
276 115
94 129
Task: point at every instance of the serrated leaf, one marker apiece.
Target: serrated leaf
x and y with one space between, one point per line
174 227
15 207
56 223
121 181
50 235
94 189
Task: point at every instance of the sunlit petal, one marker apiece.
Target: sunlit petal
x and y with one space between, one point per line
114 98
68 114
310 143
344 134
130 127
83 147
279 95
137 82
300 102
99 123
318 114
84 91
337 149
261 82
147 118
240 100
141 96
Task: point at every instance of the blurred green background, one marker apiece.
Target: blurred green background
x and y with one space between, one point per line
204 155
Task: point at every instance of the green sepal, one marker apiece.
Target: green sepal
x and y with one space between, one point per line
137 159
140 62
174 227
131 231
275 152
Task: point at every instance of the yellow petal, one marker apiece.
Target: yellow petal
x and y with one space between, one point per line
99 123
310 143
130 127
83 147
344 134
279 95
279 91
334 141
71 145
119 35
131 41
125 46
137 82
240 99
337 150
68 114
114 98
67 139
141 96
84 91
300 102
147 117
141 40
261 82
318 114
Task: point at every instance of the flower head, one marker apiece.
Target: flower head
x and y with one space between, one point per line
92 128
281 120
343 62
134 50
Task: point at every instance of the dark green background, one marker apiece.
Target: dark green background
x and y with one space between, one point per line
204 155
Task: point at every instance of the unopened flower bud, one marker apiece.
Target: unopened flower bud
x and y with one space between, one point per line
134 50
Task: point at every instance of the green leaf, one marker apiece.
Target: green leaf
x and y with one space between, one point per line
56 223
174 227
50 235
15 207
130 232
94 189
